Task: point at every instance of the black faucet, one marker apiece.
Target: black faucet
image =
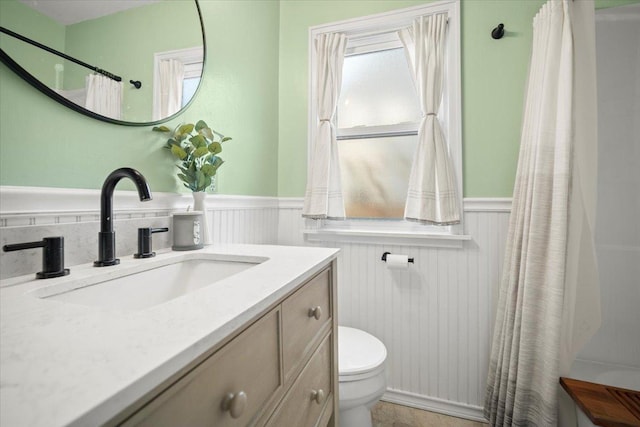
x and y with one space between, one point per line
107 237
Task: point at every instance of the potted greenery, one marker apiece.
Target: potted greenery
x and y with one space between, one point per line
196 148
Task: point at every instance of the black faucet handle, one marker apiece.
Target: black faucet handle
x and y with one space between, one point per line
145 246
52 256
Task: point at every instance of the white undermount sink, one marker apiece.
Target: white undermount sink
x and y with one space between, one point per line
156 285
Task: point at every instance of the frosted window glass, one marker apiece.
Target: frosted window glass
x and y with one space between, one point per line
377 89
375 175
189 87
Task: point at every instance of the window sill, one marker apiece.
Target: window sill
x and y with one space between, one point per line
387 237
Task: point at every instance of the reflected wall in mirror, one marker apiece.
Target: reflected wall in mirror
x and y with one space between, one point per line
158 43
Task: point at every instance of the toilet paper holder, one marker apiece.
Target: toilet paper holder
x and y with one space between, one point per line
384 257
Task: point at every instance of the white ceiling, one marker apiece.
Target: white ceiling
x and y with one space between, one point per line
68 12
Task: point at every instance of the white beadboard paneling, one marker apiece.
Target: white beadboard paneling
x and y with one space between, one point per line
435 317
244 225
290 222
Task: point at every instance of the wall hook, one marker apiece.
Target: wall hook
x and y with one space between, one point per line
136 83
498 32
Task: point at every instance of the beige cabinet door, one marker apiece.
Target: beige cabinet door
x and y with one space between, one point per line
233 387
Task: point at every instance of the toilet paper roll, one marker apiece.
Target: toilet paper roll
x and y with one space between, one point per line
397 262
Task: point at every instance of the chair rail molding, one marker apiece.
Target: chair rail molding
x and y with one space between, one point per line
43 204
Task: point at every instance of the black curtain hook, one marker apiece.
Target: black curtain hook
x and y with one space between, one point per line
498 32
136 83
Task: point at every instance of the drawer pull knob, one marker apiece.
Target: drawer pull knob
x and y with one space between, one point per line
315 312
235 403
317 396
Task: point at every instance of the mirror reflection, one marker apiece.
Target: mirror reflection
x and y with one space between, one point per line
128 61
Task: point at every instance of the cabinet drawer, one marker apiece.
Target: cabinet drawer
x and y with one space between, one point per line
249 364
311 393
303 315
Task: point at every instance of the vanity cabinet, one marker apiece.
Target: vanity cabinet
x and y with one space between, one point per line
280 370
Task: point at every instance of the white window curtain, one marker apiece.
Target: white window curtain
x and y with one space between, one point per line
549 300
323 196
171 73
104 96
432 196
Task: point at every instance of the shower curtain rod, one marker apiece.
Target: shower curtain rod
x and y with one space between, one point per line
63 55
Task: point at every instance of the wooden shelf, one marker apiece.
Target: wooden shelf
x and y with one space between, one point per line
605 405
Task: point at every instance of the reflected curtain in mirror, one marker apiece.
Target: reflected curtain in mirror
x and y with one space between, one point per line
171 73
104 96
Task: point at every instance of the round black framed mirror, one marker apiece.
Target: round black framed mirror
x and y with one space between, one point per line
133 62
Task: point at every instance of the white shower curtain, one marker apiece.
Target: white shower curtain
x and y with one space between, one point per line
104 96
548 305
171 74
431 195
323 196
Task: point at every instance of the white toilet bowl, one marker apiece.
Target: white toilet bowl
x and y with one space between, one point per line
361 359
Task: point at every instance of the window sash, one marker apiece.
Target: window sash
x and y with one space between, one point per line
382 131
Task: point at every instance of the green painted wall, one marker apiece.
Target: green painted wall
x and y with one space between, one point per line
23 20
493 78
44 144
494 73
255 90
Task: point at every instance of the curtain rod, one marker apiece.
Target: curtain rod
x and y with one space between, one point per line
63 55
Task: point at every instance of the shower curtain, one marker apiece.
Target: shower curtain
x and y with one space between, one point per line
548 305
104 96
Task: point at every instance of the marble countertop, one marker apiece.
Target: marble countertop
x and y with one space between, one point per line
64 364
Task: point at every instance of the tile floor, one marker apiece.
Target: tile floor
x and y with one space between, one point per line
387 414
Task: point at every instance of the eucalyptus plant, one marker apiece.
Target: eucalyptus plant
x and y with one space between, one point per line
197 149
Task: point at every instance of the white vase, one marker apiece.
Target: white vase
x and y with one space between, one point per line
199 204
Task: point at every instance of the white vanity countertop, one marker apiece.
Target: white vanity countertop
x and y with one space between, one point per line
64 364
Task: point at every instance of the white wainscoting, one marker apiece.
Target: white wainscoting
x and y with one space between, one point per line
435 318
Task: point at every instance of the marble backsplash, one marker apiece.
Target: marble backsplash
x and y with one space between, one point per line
80 242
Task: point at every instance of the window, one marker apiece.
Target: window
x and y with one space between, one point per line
378 115
192 60
377 118
191 81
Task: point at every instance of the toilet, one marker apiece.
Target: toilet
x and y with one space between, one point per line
362 381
